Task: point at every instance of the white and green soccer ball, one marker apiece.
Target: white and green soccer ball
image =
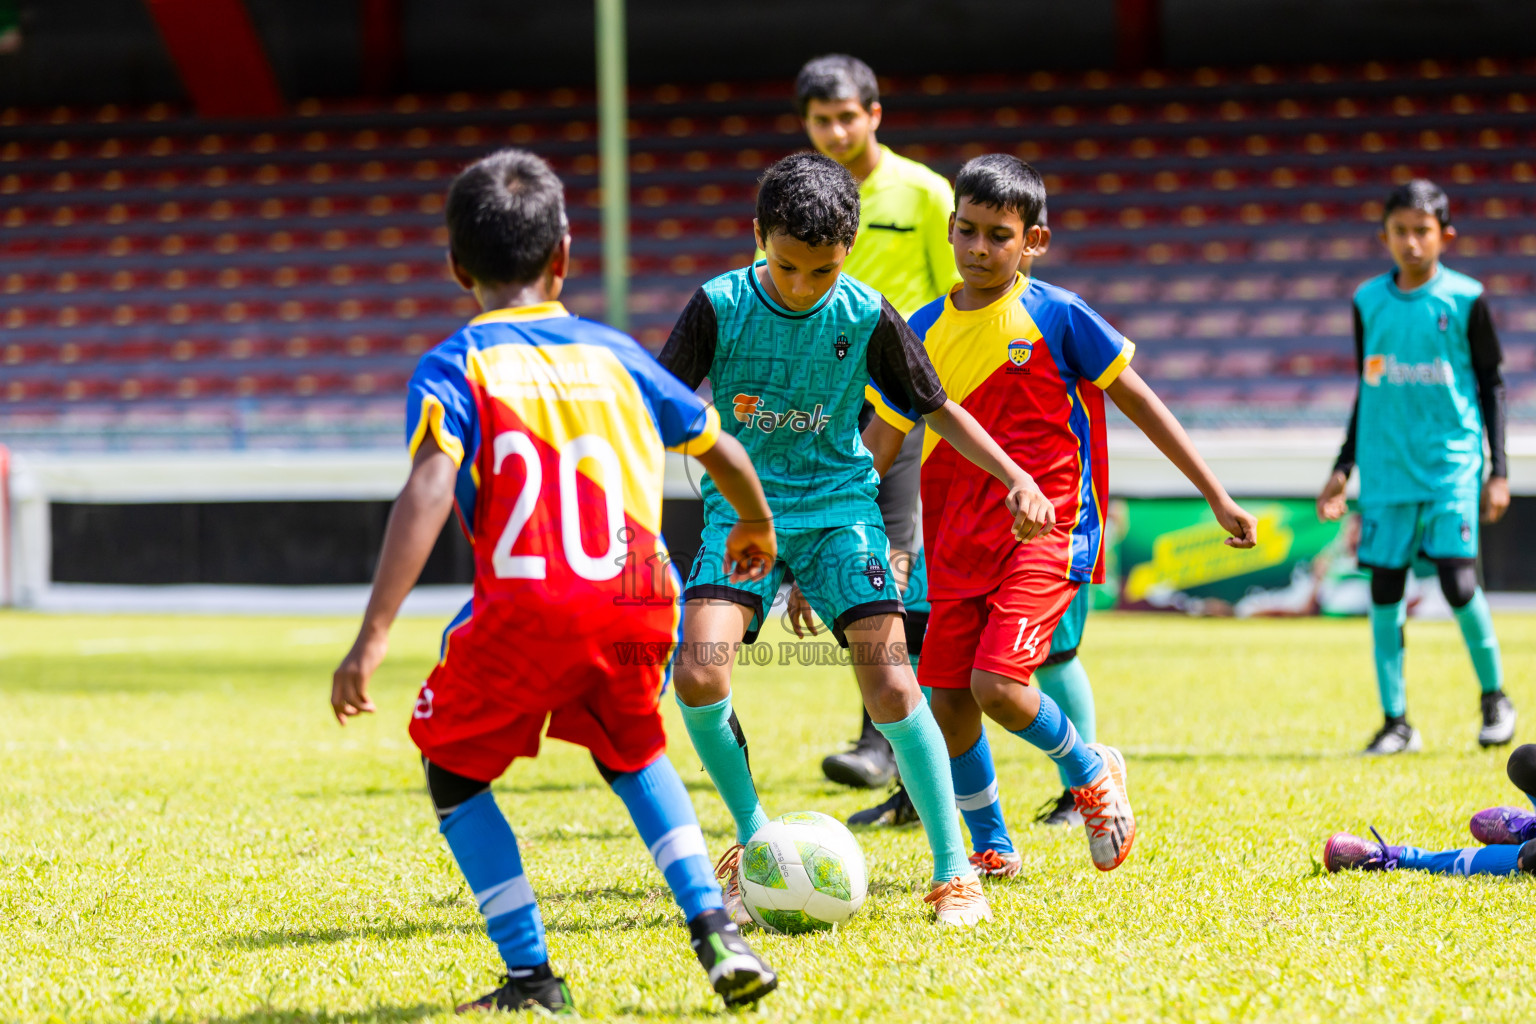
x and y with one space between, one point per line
803 872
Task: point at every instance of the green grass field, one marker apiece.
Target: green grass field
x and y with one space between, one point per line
185 835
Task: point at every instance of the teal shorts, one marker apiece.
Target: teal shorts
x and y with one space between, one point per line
1069 631
1393 536
843 571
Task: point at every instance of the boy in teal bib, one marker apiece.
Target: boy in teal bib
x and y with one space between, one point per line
1430 389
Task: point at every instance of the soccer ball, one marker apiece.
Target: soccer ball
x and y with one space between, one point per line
803 872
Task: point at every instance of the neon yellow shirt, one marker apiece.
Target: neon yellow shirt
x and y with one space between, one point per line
903 249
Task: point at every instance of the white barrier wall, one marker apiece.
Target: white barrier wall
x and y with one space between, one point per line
1251 463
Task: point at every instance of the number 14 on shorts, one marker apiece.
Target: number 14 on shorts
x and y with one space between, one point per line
1029 644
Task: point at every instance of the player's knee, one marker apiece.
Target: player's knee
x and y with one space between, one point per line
990 695
1458 579
449 789
1388 585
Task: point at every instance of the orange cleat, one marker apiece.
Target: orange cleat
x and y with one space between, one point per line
997 865
1105 805
959 902
728 871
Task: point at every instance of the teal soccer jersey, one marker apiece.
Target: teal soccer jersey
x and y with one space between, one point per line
789 387
1429 387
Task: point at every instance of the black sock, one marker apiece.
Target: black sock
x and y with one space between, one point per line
541 972
710 921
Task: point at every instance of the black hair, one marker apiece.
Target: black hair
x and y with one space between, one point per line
1003 182
836 76
809 197
1419 194
1522 768
506 216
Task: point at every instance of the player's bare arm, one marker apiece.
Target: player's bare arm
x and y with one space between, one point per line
1495 499
414 525
884 443
1331 503
750 547
1033 514
1142 407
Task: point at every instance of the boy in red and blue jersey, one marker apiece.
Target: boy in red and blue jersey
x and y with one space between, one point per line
1032 363
549 433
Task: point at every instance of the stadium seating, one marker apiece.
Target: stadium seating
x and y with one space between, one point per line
173 282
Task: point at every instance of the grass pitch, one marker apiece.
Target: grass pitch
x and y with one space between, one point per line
185 835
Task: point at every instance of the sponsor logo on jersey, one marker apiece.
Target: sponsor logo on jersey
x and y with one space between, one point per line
423 708
1387 370
875 573
1019 351
840 346
751 411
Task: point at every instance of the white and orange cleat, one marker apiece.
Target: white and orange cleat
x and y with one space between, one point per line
1105 805
996 864
959 902
728 871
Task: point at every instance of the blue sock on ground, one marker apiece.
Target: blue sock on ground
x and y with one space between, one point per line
659 805
976 795
1067 684
1474 860
1053 733
1387 645
725 758
1476 622
924 764
483 844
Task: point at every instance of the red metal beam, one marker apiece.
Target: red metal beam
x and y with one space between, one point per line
219 57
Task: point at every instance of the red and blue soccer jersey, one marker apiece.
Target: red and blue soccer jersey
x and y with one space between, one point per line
559 428
1030 368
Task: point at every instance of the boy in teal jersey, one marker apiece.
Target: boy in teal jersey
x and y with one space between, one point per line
789 345
903 254
1430 389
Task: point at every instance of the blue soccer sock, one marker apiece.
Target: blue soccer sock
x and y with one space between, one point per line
483 844
724 753
1053 733
1067 684
976 795
920 756
1476 623
1387 644
1474 860
659 805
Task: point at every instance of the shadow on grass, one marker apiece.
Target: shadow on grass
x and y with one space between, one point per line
291 1015
319 936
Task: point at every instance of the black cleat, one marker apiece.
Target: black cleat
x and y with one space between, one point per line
1061 810
897 810
539 990
1498 720
739 975
868 764
1395 736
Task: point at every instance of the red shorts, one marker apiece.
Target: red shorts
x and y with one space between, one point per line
1007 631
596 680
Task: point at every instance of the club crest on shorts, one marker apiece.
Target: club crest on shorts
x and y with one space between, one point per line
875 573
1466 531
840 346
1019 350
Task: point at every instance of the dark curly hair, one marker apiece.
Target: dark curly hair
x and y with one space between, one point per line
809 197
506 215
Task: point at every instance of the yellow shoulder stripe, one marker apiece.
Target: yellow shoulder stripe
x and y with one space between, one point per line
886 411
706 438
1119 363
432 413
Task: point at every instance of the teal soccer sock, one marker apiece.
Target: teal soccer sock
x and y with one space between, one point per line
924 763
1387 641
723 749
1476 623
1067 684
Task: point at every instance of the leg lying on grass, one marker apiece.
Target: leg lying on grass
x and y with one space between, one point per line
1347 852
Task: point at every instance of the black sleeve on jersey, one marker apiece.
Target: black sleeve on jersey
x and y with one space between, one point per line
899 366
1486 357
690 350
1345 463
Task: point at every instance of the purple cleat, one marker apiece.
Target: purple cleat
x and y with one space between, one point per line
1503 826
1345 851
